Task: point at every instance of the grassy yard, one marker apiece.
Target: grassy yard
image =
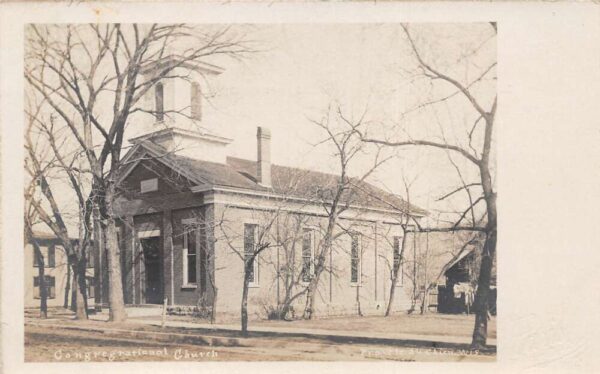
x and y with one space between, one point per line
428 324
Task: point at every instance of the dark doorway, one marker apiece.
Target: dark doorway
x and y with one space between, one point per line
153 270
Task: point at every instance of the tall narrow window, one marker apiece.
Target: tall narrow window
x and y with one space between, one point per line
196 101
355 259
48 254
51 257
189 256
36 259
90 258
307 254
159 104
89 282
250 231
398 272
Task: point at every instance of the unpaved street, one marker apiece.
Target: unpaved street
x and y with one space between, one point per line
60 344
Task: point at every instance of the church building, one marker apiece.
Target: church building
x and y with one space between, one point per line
190 214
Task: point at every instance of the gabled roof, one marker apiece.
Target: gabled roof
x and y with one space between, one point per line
458 259
287 181
45 235
321 186
172 61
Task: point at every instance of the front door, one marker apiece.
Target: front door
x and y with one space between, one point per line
153 270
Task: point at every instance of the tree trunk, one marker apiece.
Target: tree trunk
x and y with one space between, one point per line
314 282
80 290
213 312
359 311
310 297
37 253
425 301
73 290
42 282
248 265
67 286
311 291
481 304
394 277
117 311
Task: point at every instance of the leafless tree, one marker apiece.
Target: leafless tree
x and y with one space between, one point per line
253 242
91 77
477 150
30 220
406 222
292 273
43 159
340 133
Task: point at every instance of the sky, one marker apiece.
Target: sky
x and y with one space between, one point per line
361 67
300 70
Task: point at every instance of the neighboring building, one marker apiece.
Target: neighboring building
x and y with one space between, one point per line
458 293
189 213
56 273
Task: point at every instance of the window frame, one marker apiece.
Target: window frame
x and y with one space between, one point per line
358 258
195 101
311 265
44 252
90 287
255 282
148 185
397 239
51 289
159 101
189 227
48 253
90 261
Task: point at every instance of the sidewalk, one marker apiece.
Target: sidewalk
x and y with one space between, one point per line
151 317
303 332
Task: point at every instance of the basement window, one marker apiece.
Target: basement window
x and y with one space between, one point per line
149 185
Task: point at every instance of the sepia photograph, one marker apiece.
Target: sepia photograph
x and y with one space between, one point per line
299 186
252 192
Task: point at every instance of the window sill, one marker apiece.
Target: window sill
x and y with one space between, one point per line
355 284
189 286
253 285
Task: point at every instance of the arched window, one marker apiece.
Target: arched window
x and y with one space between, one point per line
159 105
196 101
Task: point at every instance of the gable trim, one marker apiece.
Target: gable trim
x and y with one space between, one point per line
230 190
157 157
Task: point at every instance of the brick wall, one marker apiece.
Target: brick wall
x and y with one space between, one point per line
336 294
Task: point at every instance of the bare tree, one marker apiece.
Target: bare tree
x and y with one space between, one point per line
292 273
406 222
336 199
477 150
46 147
38 255
92 78
254 240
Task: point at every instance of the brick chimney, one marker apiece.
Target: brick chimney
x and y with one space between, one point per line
263 165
